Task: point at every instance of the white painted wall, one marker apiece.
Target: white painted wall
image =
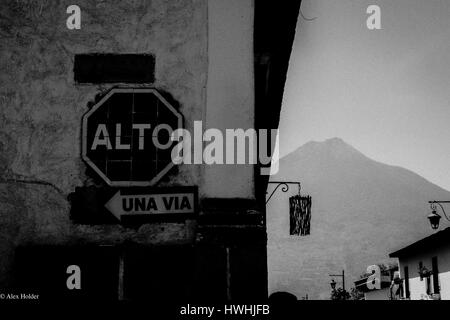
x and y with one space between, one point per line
230 90
417 287
382 294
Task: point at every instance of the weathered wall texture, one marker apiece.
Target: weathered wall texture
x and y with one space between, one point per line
41 107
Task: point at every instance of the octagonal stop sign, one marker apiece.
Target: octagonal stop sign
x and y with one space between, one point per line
126 136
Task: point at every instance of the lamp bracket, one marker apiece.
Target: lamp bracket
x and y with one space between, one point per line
284 188
433 204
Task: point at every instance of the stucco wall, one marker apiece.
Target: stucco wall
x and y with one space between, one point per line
417 287
41 107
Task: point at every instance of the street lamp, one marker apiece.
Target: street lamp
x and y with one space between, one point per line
435 217
333 283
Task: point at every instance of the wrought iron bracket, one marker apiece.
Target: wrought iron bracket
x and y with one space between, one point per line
285 187
433 207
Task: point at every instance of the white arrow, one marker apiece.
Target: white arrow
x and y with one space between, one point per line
115 205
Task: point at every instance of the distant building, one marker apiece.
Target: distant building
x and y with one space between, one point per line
425 267
384 292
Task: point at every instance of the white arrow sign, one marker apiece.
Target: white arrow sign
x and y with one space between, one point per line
159 203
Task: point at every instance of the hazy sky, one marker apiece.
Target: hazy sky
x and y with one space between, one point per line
386 92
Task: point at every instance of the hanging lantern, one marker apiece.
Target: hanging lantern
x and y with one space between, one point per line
434 218
300 215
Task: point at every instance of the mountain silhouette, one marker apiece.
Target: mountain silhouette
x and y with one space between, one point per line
361 211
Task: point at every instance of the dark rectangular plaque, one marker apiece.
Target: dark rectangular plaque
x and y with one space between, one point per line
114 68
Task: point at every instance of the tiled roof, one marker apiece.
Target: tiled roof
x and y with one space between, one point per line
433 240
